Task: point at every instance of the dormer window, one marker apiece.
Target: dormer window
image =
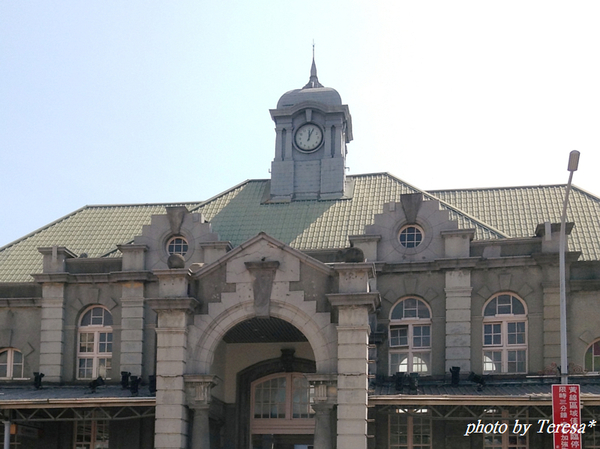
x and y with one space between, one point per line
177 245
411 236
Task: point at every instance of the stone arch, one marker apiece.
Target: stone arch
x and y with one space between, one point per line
320 333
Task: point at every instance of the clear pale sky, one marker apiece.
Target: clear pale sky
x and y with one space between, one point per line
111 102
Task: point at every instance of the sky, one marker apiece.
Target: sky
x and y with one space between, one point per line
112 102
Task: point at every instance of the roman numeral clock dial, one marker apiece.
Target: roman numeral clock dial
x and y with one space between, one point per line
308 137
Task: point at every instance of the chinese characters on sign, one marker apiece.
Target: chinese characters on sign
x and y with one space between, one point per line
566 412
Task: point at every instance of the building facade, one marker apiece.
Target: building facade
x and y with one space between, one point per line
310 310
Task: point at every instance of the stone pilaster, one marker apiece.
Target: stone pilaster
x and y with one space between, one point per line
354 303
132 310
551 324
52 336
52 331
198 397
174 311
353 354
458 319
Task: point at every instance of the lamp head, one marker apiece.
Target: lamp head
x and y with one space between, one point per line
573 160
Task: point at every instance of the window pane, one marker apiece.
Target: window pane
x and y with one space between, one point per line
107 318
492 361
85 368
421 362
421 337
490 309
399 336
399 363
517 307
87 318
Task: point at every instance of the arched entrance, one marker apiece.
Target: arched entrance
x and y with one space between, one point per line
268 390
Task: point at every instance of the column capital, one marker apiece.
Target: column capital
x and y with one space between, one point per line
197 388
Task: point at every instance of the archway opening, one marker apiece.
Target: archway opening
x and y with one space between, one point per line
262 362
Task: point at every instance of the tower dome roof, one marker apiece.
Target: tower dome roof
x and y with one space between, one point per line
313 91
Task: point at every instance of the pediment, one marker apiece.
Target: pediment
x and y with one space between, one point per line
262 248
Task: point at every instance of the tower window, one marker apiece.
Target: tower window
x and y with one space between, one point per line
410 236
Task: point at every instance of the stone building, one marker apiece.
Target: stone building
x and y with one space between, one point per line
310 310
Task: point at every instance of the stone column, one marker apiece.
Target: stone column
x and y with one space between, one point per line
325 398
198 396
354 303
174 311
323 431
458 319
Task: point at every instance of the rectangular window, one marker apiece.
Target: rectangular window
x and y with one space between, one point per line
516 333
91 434
421 336
492 334
516 361
398 336
86 342
410 430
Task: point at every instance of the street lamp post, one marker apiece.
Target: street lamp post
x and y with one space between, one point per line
564 368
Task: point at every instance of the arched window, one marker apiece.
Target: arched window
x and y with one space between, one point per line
592 357
505 335
410 337
95 338
11 363
281 404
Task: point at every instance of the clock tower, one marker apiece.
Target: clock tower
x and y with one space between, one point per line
313 128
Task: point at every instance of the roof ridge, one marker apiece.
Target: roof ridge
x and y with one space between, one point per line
225 192
499 188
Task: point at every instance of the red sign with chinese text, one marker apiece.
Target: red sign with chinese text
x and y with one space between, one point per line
566 412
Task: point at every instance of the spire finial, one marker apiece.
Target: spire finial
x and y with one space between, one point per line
313 81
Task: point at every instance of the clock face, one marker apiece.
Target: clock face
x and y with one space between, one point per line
308 137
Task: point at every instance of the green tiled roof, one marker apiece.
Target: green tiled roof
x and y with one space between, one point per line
95 230
518 210
240 213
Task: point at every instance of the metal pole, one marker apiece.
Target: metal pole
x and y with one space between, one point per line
564 368
7 434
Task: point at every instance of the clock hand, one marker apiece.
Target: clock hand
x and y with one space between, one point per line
310 131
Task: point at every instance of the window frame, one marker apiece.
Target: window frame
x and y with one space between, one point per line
184 242
419 415
10 364
96 355
409 349
502 323
413 243
95 425
287 424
